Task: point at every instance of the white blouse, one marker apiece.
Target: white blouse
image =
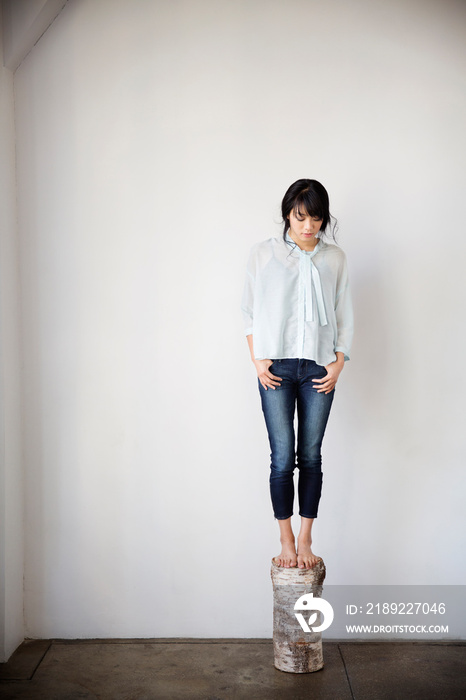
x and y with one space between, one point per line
297 303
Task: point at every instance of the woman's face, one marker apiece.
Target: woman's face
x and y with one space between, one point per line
303 229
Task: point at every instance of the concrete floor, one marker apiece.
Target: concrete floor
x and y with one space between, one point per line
220 669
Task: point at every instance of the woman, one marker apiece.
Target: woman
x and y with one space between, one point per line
299 327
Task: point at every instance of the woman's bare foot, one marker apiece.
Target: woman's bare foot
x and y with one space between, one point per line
287 556
306 558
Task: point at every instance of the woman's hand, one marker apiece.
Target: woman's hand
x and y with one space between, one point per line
327 383
266 378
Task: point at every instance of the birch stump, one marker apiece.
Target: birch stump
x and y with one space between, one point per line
296 650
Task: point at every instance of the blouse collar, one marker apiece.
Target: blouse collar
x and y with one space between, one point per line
317 247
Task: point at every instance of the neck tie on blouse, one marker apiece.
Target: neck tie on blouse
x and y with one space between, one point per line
311 279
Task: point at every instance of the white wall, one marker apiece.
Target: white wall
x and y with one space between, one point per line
11 474
24 22
155 142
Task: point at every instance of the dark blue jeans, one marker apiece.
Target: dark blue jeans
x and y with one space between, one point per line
296 391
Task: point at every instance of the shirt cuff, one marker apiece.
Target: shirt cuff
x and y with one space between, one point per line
343 350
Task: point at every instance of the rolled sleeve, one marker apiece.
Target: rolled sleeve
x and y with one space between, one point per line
344 313
247 305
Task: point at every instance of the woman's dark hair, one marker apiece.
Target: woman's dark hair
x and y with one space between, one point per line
311 198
